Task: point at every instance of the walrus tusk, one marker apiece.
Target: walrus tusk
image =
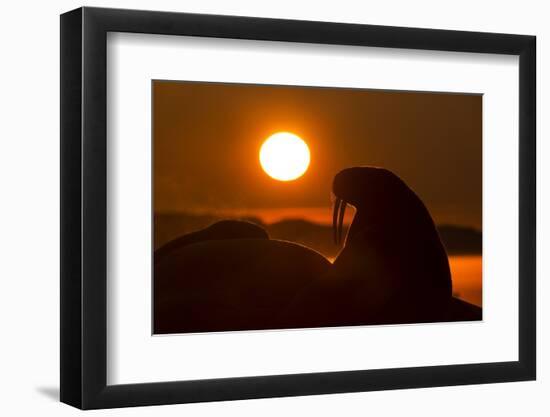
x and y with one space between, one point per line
337 203
341 220
338 219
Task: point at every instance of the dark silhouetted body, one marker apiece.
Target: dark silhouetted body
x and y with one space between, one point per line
230 284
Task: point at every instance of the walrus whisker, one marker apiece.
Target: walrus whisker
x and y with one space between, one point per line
335 219
341 220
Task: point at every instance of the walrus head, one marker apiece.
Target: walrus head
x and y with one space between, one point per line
376 191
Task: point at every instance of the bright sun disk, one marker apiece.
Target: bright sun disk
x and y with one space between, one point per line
284 156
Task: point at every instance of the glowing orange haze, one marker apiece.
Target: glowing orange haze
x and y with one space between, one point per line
466 271
320 215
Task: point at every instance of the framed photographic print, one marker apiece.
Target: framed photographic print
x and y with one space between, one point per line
258 207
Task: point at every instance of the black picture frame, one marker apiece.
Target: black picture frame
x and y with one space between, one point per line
84 207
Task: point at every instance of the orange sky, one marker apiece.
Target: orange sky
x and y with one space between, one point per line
207 137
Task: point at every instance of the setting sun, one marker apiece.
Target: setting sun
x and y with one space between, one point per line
284 156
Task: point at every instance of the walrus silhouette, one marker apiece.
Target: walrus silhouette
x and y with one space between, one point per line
229 276
392 244
392 269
